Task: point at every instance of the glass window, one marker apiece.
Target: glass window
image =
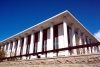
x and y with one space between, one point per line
56 43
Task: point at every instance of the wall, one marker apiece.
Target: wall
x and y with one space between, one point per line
91 60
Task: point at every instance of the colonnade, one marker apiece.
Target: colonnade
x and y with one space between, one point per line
13 48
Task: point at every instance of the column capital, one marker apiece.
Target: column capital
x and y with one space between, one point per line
64 19
72 24
19 37
79 37
32 31
78 29
5 43
41 28
51 24
9 41
25 35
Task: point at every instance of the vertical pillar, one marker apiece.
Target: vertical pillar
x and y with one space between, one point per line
18 46
89 48
79 41
73 38
79 37
95 48
32 44
92 48
50 39
24 46
40 39
8 51
5 47
13 48
85 49
65 37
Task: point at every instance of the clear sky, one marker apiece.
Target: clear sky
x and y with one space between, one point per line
18 15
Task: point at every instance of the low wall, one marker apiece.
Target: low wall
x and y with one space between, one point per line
89 60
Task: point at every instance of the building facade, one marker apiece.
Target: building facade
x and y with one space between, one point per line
60 31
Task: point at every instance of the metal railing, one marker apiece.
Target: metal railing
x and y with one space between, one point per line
57 50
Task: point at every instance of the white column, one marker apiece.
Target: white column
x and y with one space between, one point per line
79 37
92 49
89 48
8 51
50 41
32 45
85 49
40 39
70 37
5 47
24 47
91 41
65 37
88 40
18 46
84 38
73 38
13 48
79 40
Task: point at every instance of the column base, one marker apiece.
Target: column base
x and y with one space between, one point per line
5 60
86 51
74 52
51 54
89 50
27 57
63 53
24 58
42 56
93 51
33 57
8 54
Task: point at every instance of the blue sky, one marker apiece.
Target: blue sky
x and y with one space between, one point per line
18 15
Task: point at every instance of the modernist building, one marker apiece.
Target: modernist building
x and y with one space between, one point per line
60 31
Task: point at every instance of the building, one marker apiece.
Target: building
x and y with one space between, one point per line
60 31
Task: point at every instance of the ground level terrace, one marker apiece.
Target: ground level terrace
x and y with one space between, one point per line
58 32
